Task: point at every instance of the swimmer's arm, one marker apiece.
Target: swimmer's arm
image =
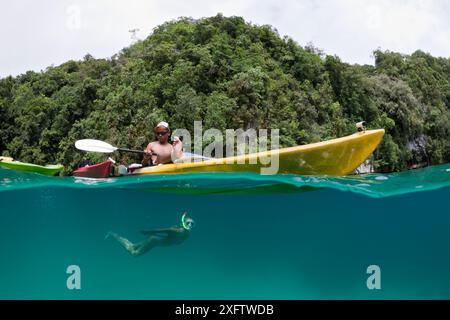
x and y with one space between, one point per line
155 231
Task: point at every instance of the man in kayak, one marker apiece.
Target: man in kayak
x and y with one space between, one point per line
157 237
161 151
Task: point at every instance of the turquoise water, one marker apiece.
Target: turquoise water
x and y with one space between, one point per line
256 237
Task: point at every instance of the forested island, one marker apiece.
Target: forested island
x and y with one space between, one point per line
230 74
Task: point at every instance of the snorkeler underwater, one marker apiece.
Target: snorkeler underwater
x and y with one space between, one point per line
157 237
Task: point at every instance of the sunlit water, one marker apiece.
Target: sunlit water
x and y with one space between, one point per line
256 237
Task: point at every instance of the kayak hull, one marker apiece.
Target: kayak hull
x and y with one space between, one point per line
337 157
101 170
49 170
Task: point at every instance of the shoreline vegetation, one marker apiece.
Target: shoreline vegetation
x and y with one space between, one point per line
229 74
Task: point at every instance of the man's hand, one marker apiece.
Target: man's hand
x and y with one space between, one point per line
147 156
177 144
177 148
176 141
148 153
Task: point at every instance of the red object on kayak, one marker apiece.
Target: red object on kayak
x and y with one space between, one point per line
100 170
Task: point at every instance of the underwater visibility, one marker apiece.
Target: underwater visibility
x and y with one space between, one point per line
225 236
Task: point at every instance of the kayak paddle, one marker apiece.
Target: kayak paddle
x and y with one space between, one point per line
101 146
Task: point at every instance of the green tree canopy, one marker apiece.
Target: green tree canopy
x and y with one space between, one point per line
229 74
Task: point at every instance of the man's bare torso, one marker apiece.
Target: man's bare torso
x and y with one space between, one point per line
163 151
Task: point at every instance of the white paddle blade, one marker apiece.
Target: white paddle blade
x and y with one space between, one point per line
94 146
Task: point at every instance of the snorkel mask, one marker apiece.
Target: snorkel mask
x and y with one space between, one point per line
186 222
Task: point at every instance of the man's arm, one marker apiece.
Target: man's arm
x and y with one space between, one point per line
148 154
177 152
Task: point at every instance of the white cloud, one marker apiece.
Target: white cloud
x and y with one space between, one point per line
37 34
403 26
352 29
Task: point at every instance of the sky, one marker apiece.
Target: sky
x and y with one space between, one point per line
37 34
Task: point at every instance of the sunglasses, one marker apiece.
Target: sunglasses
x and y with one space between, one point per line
161 133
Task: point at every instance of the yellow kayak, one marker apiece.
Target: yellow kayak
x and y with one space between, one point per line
336 157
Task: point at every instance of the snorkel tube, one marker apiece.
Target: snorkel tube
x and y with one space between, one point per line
186 222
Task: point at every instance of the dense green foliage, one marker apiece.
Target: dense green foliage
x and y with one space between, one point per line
230 74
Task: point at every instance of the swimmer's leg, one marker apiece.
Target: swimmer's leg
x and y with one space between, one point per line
138 248
127 244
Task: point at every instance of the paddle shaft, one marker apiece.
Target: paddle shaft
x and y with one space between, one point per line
133 151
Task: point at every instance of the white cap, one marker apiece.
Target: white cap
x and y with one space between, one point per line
163 124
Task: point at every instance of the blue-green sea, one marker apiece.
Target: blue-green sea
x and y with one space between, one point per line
256 237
